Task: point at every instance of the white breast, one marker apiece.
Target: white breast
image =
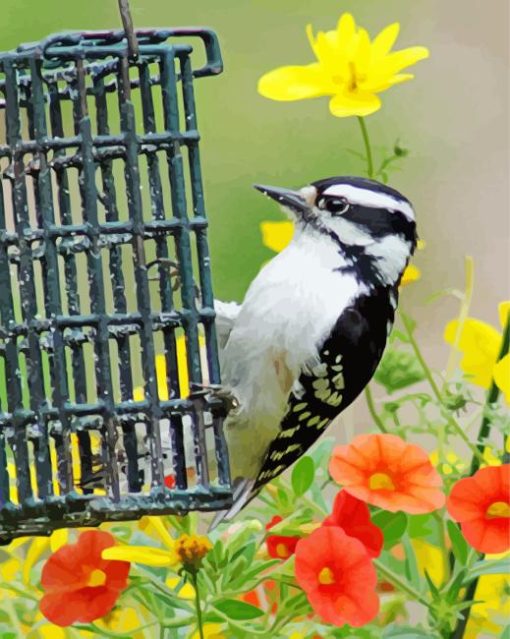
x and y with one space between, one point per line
289 310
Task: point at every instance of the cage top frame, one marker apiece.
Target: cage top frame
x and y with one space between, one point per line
28 72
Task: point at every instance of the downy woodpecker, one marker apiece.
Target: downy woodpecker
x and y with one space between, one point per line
313 325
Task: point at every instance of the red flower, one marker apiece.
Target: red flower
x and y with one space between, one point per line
280 546
385 471
481 504
338 577
79 584
353 516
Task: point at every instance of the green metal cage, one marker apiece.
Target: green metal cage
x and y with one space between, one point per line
106 303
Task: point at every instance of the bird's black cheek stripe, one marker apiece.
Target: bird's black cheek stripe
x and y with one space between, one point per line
381 222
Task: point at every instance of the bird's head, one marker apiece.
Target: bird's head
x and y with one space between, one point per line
367 220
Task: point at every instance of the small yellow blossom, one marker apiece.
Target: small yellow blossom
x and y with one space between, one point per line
191 549
480 344
350 67
211 631
492 610
147 555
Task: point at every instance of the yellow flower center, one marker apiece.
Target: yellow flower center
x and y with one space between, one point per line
380 481
326 577
352 84
191 549
282 551
96 578
499 509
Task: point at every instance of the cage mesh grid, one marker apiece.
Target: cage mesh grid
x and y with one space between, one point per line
91 247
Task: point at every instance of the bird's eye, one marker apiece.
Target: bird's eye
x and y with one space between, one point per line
337 205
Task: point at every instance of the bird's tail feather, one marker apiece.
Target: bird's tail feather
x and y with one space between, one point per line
242 496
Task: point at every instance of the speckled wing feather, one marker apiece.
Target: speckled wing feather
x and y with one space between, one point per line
348 360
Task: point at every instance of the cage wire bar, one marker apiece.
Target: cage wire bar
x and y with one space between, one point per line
106 304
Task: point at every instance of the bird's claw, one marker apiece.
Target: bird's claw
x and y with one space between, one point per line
227 397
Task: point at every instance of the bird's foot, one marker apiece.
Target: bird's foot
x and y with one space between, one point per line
226 395
174 272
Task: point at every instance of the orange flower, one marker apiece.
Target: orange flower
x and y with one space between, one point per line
353 516
280 546
385 471
79 584
338 577
481 504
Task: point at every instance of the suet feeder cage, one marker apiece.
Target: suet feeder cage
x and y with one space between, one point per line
106 305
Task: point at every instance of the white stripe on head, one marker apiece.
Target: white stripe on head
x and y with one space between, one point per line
371 199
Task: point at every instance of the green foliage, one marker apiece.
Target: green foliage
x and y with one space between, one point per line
393 526
398 369
303 475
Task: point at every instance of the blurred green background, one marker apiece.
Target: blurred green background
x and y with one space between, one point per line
453 117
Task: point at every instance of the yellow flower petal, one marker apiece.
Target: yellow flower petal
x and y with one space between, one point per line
503 312
276 235
398 60
502 376
211 631
295 83
385 40
37 548
479 343
351 103
346 30
429 558
411 274
155 524
58 538
141 555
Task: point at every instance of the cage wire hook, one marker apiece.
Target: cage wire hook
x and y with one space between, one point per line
127 22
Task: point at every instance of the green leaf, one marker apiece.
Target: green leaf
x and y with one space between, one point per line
398 369
485 567
303 475
393 526
238 610
419 526
407 632
459 545
506 633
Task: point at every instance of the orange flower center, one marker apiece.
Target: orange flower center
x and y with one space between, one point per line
498 509
96 578
381 481
282 551
326 577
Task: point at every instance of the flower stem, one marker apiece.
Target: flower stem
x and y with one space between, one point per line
463 313
492 398
200 623
372 410
399 583
435 388
368 149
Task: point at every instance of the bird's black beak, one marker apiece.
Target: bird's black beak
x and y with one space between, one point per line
292 200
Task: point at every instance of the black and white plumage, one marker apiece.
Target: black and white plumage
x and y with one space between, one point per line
313 325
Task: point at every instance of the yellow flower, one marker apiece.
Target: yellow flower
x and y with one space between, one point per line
429 558
187 550
480 344
350 67
278 235
211 631
492 610
147 555
191 549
